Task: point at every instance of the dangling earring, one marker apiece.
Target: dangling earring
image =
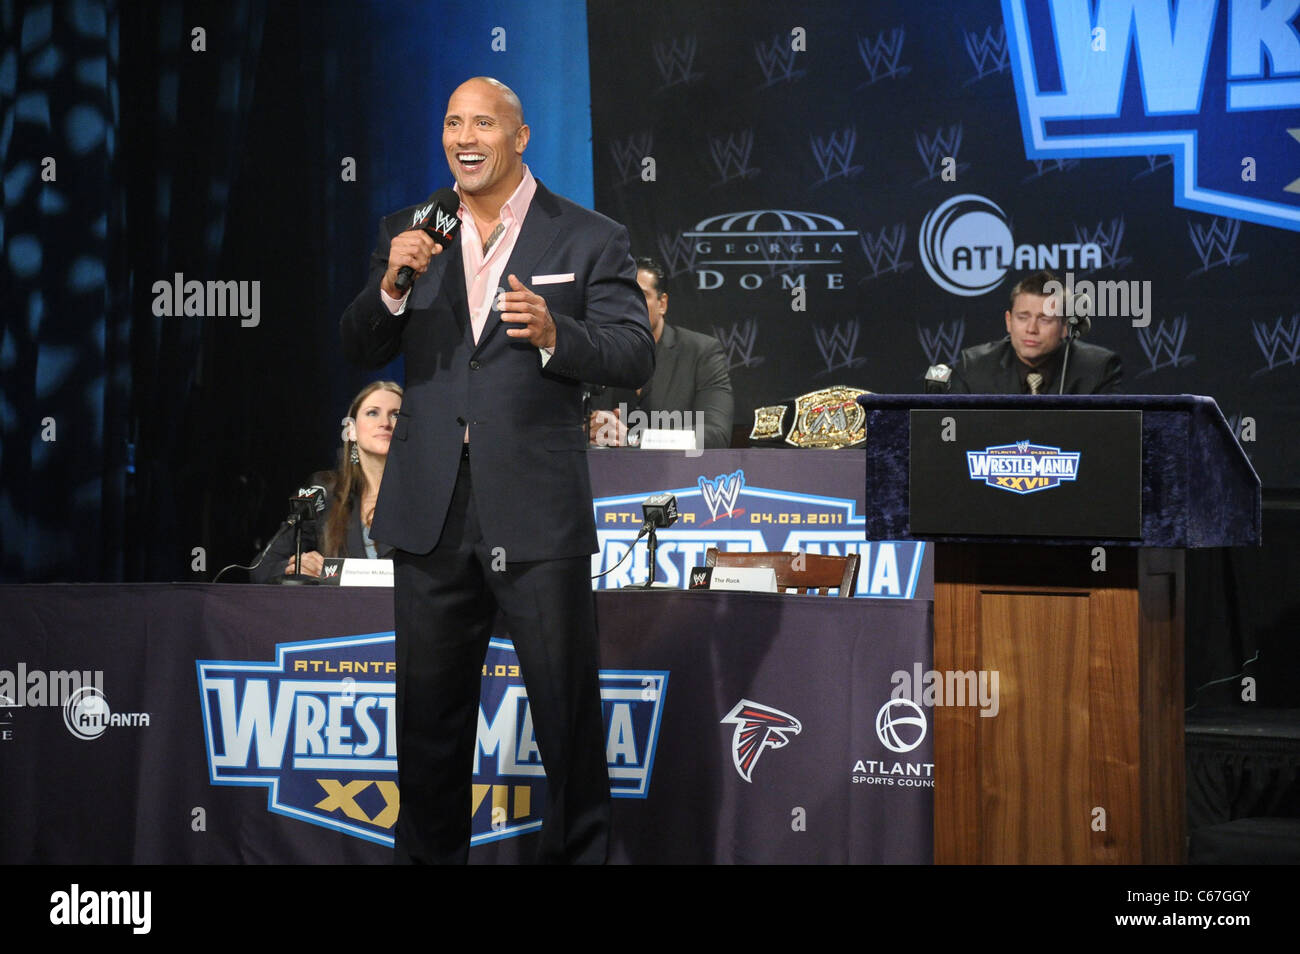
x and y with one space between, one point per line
356 458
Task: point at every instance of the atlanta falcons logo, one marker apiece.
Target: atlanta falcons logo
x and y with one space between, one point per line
757 728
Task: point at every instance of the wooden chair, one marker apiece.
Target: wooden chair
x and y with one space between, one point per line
820 573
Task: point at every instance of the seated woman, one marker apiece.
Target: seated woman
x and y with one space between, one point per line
342 525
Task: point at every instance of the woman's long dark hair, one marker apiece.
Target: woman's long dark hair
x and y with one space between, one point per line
350 480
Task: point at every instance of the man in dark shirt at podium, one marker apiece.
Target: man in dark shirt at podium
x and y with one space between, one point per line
1030 359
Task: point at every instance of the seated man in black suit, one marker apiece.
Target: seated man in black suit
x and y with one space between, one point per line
690 388
1030 359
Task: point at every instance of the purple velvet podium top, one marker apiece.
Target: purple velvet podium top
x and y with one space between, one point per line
1198 487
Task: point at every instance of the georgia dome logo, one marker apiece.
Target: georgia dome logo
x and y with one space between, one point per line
758 727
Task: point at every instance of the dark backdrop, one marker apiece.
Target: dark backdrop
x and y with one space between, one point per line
175 441
851 133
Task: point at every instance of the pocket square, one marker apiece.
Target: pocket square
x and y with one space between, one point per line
551 279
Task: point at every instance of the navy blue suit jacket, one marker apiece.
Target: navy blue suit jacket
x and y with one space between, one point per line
528 438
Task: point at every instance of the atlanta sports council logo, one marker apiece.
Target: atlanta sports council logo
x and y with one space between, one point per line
1022 467
317 727
758 727
900 732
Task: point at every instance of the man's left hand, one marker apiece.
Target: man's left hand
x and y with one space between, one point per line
529 313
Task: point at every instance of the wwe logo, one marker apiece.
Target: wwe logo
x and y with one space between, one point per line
881 55
738 343
628 154
674 58
1106 238
1163 344
1044 166
677 252
988 51
421 214
721 493
884 251
1022 446
1154 163
776 59
444 223
1280 343
933 149
1214 243
942 344
837 344
834 154
731 155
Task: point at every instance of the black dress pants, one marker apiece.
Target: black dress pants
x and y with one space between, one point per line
445 605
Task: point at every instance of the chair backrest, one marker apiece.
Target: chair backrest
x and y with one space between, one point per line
814 571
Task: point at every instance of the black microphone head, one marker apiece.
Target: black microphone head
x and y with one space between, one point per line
314 495
444 222
423 212
938 379
660 510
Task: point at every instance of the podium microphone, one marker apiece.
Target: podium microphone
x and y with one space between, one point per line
1077 324
938 379
659 510
309 502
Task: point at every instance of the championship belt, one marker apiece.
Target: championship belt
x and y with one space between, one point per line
829 419
769 423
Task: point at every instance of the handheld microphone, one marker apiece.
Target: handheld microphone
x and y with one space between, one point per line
437 217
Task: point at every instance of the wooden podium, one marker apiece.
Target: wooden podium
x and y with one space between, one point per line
1083 761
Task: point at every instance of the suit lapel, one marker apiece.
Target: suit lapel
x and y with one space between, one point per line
1010 383
446 275
541 225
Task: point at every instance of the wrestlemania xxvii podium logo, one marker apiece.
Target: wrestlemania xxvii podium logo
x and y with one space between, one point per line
317 728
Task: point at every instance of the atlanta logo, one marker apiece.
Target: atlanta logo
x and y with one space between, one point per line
317 728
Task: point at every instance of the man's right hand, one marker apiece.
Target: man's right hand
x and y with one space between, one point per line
606 429
414 248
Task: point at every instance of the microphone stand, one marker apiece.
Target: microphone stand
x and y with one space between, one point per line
302 509
1072 332
653 545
